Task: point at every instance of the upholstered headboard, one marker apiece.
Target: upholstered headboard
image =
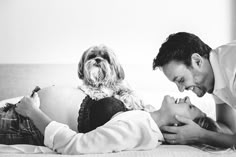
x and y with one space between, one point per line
19 79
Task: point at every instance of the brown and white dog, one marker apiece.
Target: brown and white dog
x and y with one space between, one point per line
103 76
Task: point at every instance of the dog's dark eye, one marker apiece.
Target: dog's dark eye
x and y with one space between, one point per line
106 57
91 56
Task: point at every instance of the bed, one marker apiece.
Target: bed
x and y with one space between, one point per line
17 80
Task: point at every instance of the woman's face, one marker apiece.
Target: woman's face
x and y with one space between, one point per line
182 107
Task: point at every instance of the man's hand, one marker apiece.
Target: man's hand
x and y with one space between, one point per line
189 133
27 105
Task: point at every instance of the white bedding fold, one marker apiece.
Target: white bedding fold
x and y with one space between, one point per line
27 149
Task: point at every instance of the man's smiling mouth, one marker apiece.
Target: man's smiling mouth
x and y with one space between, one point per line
191 88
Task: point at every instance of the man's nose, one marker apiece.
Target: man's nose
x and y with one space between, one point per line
180 87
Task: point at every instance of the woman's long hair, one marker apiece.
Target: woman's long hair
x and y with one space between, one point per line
207 123
95 113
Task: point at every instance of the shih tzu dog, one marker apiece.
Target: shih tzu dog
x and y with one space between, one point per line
103 76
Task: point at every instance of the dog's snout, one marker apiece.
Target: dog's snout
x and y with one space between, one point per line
98 60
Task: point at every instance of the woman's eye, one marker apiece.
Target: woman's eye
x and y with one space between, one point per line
190 106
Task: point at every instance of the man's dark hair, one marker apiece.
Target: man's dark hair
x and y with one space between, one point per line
180 47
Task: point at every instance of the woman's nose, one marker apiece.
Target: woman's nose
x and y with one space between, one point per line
187 99
168 98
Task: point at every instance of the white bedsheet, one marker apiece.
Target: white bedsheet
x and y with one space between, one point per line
162 151
23 148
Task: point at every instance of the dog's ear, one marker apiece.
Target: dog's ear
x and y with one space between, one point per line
120 72
81 65
117 66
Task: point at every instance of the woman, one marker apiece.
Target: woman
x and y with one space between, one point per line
130 130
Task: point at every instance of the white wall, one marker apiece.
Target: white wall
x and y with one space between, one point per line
46 31
58 31
233 20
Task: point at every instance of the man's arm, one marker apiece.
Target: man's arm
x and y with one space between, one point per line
191 133
218 139
226 117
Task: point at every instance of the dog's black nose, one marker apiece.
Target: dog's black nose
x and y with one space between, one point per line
98 60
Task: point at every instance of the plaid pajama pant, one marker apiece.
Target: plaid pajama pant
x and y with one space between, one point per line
16 129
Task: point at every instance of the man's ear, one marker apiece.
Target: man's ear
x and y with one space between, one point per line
197 60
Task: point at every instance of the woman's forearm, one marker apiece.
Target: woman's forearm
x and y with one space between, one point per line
218 139
40 119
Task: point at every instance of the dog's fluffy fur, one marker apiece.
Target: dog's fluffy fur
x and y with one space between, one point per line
103 76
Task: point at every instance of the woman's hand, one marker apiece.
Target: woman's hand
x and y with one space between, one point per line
189 133
28 104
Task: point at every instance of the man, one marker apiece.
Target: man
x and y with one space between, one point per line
193 65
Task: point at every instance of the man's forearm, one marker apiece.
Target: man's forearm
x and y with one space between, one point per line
218 139
224 129
40 119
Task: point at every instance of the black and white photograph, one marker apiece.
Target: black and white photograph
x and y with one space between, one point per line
120 78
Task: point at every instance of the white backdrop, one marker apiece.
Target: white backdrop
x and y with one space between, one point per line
58 31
